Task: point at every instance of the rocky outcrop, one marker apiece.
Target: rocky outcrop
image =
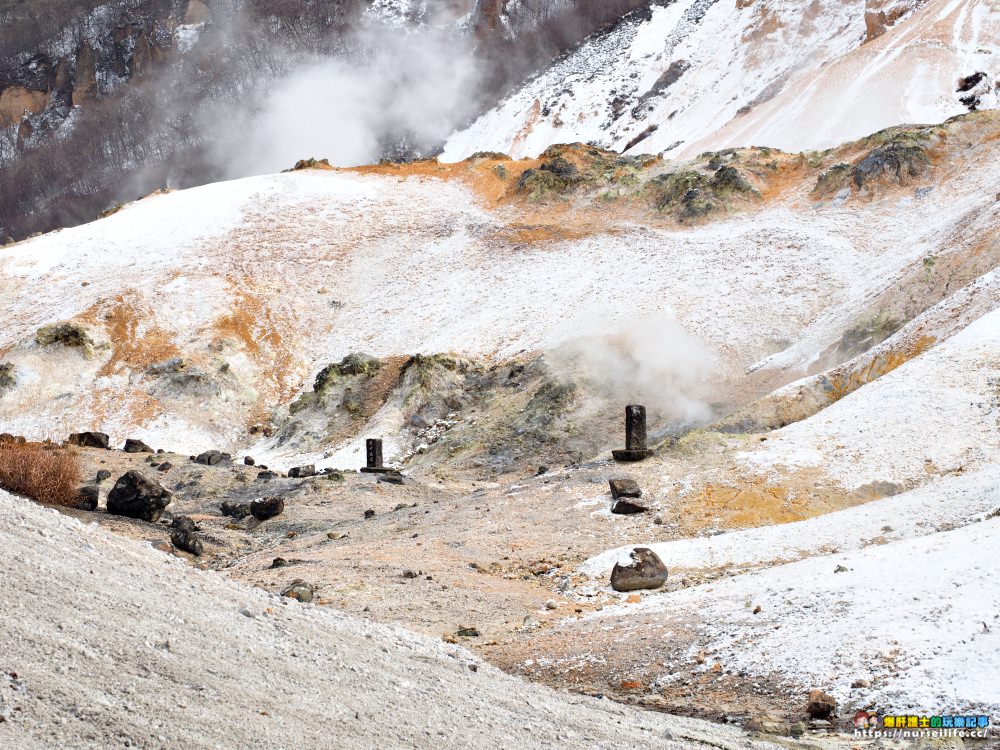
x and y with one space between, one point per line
90 440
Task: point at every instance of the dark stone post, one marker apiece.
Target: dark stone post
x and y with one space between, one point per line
635 435
635 427
373 453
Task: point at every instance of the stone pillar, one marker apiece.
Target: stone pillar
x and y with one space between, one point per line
635 427
373 453
635 435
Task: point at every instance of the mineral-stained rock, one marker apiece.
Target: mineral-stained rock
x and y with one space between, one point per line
136 496
136 446
267 507
645 571
300 590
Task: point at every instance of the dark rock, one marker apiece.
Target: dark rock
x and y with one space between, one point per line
165 466
267 507
467 632
136 446
266 476
136 496
541 470
627 507
235 510
369 513
248 461
186 539
89 496
645 571
391 478
821 705
90 440
102 474
279 562
185 523
7 379
300 590
624 488
300 472
210 458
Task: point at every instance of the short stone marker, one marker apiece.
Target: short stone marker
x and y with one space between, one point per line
635 435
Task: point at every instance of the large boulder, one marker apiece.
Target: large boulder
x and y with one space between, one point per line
267 507
90 495
136 496
136 446
645 571
90 440
212 458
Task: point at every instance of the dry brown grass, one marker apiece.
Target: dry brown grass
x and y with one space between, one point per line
43 473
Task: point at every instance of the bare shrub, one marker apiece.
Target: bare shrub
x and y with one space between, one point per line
42 472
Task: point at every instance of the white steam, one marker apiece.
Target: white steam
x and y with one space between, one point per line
398 87
651 361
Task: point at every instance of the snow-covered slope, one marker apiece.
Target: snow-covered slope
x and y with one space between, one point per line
109 643
702 74
250 287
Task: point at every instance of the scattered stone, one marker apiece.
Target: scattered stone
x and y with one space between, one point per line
335 535
184 538
267 507
551 604
410 574
300 472
184 523
90 440
90 494
392 478
102 474
211 458
136 446
541 470
299 590
266 476
840 569
861 682
646 571
768 724
821 705
369 513
624 488
467 632
279 562
165 466
248 461
626 507
136 496
235 510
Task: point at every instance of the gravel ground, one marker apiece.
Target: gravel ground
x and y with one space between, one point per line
109 643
